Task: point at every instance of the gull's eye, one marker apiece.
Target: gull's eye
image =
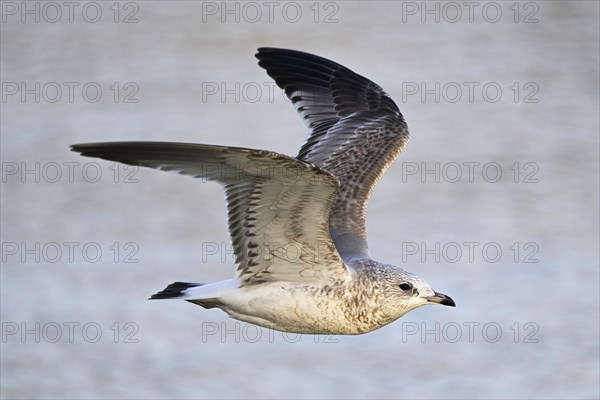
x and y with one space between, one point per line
405 286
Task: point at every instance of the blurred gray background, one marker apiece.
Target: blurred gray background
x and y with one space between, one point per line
85 242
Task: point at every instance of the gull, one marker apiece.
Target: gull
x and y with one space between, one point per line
297 224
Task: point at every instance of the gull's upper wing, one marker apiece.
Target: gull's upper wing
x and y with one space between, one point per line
278 206
356 131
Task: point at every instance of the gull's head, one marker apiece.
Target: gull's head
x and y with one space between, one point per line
405 291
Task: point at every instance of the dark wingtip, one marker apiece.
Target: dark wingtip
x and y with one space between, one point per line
90 149
75 147
261 51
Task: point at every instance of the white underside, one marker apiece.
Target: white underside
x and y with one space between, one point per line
283 306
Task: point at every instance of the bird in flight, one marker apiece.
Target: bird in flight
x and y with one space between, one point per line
298 223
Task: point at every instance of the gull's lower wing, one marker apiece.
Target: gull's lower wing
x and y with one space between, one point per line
356 132
278 206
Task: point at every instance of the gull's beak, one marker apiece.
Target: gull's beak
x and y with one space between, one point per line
441 299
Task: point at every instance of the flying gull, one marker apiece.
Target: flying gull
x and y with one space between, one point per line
298 223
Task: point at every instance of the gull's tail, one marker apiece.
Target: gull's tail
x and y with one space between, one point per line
207 295
191 292
176 290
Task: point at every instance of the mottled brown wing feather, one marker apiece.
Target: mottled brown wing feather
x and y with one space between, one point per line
278 206
356 132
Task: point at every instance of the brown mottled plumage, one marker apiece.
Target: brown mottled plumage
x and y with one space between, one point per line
355 132
298 224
